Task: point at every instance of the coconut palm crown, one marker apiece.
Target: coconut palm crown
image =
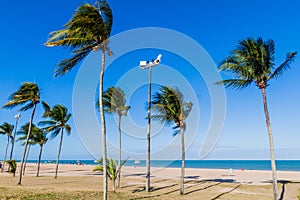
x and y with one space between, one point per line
253 62
88 30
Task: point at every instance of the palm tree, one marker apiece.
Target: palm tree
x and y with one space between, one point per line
170 107
58 118
6 129
28 96
114 102
253 62
12 166
88 30
38 136
112 171
23 132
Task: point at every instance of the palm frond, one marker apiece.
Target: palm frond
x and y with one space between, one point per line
235 83
67 64
46 108
68 129
284 66
28 94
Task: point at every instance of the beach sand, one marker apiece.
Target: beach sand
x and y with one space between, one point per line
199 183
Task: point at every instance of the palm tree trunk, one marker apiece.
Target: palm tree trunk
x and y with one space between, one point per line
59 150
182 161
39 161
103 128
13 140
25 163
119 160
26 143
114 185
5 154
148 133
273 164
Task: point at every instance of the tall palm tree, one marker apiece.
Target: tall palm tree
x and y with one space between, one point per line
56 123
88 30
28 96
38 136
170 108
114 101
253 62
6 129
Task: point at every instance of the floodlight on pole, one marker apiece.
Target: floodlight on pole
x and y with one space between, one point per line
149 65
17 117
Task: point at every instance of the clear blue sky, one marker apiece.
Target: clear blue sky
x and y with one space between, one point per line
216 25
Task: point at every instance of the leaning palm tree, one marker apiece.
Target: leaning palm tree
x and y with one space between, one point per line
38 136
170 108
88 30
112 171
56 123
6 129
253 62
28 96
22 138
114 101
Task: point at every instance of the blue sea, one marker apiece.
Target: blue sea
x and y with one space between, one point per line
282 165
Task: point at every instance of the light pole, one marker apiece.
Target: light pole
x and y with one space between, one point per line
149 65
17 117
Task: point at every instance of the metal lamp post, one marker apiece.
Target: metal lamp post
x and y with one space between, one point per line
149 65
17 117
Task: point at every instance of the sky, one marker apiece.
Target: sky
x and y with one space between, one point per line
215 25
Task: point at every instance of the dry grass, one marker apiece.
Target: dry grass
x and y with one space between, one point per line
90 187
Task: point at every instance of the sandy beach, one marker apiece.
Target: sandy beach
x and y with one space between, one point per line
204 183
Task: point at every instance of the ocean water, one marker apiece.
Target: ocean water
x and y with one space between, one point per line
282 165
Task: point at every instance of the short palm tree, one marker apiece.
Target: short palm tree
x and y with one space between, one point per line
88 30
253 62
170 108
12 166
22 138
112 171
114 101
6 129
38 136
27 96
56 123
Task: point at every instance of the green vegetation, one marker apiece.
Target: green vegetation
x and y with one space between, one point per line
170 107
12 166
56 123
252 62
6 129
88 30
27 96
112 170
114 101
